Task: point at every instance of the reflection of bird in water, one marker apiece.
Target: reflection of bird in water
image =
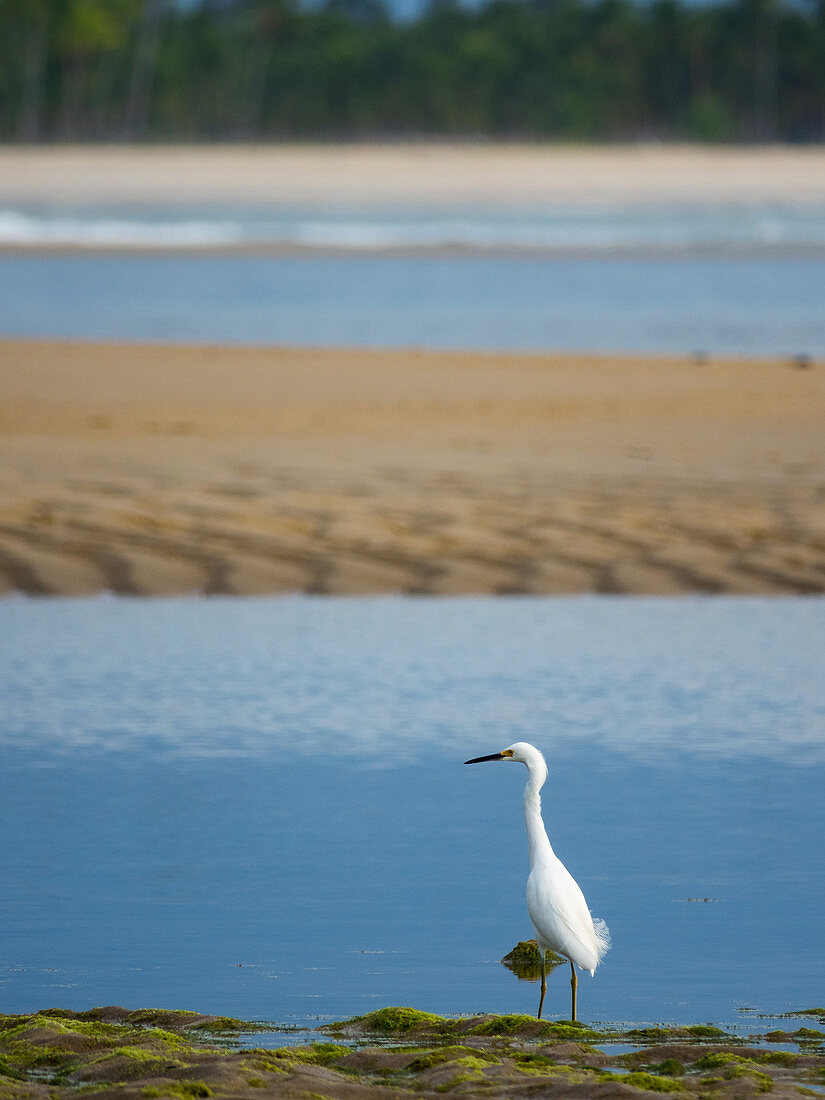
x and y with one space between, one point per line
554 899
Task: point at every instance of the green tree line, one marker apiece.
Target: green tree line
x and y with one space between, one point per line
95 70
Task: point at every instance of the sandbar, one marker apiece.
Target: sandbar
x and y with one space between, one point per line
159 469
503 173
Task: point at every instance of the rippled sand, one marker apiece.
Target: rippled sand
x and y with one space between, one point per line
172 469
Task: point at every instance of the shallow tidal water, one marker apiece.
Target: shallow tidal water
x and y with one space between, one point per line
258 807
725 304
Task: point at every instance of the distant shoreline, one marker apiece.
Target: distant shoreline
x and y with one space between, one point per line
426 172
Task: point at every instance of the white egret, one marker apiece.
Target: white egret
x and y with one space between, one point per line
554 899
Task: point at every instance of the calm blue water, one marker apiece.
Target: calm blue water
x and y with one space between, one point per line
258 807
745 278
726 305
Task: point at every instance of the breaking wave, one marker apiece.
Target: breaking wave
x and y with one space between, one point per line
580 229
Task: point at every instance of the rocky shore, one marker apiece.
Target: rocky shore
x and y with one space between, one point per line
396 1052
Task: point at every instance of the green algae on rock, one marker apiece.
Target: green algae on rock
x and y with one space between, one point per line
525 960
692 1033
530 1027
670 1067
410 1021
650 1082
706 1031
429 1058
168 1018
805 1036
391 1021
56 1055
85 1050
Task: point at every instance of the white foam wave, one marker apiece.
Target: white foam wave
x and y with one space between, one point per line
585 229
581 231
18 228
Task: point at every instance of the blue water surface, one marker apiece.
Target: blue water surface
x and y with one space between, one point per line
258 807
751 305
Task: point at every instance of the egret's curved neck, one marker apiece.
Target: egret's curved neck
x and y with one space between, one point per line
537 839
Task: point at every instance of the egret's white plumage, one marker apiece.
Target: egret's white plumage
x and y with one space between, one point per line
554 899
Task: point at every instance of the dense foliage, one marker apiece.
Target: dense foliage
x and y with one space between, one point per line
251 69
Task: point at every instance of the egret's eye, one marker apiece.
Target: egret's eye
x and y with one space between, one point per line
507 752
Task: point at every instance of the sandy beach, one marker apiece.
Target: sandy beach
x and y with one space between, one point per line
498 173
152 469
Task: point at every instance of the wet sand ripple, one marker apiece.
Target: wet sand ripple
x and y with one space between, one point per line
163 470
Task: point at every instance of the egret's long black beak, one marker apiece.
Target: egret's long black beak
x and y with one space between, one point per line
481 759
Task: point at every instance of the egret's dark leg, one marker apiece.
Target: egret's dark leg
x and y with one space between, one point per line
543 981
573 984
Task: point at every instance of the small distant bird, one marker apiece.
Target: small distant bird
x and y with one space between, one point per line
554 899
